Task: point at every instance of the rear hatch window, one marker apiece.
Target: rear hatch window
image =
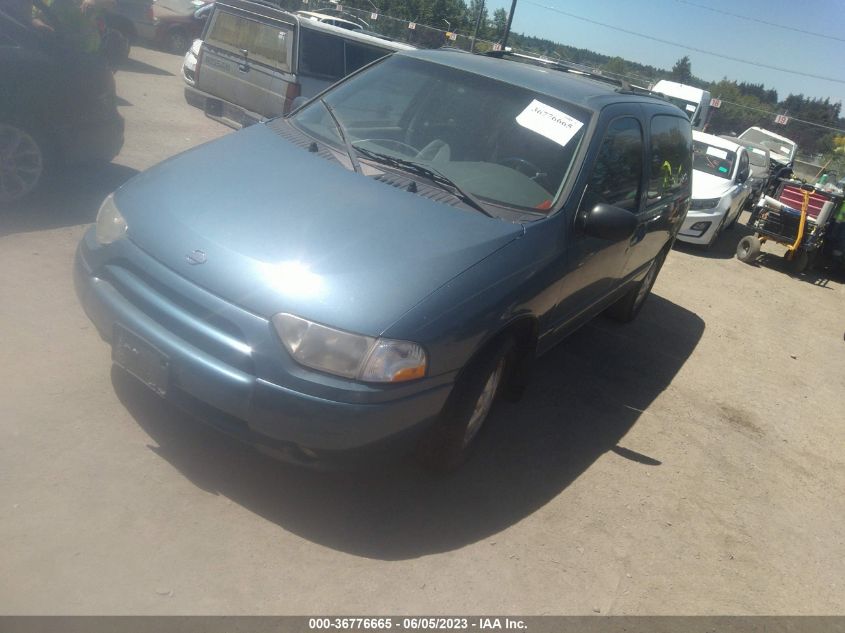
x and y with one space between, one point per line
267 43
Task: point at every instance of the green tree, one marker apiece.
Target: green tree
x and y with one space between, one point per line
615 66
500 21
682 70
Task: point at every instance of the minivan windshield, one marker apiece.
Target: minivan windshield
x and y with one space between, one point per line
712 160
502 144
689 107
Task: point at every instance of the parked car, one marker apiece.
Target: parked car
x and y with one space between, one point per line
760 164
254 60
179 22
333 20
135 19
782 150
720 170
169 24
695 102
376 268
61 111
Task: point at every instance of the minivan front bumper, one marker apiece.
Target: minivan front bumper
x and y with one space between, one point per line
310 428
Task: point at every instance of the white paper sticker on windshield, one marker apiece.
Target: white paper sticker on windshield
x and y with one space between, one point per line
757 151
549 122
690 107
718 153
785 150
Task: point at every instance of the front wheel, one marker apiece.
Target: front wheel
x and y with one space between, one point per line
629 305
448 443
21 163
748 249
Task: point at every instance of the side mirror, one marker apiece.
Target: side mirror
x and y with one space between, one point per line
742 176
608 222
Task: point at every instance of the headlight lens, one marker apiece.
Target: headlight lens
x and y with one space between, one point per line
110 224
707 203
349 355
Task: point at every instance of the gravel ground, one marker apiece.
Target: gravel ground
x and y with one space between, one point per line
689 463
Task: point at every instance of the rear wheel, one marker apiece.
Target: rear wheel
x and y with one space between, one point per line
448 443
798 263
629 305
178 42
21 163
748 249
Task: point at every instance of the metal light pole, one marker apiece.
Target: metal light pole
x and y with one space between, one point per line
508 25
477 24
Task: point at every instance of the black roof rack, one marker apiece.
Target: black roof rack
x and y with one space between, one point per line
622 86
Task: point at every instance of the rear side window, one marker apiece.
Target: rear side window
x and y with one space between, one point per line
320 55
332 57
671 156
266 43
617 172
359 55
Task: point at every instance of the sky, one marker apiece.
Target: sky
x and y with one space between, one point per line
689 23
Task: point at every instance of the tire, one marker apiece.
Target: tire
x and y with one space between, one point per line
22 163
449 442
798 263
628 306
177 42
115 47
748 249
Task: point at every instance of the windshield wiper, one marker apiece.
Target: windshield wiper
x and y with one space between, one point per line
356 166
428 173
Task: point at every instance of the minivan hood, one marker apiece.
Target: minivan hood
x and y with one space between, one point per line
706 186
282 229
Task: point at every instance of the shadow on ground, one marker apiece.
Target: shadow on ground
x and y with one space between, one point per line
585 396
136 66
67 198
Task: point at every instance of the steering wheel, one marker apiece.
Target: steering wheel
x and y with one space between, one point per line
404 148
523 166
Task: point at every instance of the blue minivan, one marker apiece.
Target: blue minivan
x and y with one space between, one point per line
373 270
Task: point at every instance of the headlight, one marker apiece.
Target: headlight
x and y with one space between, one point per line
707 203
349 355
110 224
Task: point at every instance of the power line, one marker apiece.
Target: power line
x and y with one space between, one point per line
791 118
635 78
688 47
758 20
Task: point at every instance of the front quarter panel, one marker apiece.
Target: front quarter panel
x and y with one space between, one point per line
517 281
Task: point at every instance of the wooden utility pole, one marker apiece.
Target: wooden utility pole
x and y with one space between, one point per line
508 25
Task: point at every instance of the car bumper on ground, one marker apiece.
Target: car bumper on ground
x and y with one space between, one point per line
700 226
290 424
227 113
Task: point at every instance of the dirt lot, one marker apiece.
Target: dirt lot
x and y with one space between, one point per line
690 463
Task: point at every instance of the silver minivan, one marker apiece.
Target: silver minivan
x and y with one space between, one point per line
253 60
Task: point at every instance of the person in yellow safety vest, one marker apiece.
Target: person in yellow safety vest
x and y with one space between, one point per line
76 21
666 171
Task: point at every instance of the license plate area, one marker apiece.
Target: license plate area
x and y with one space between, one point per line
141 359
